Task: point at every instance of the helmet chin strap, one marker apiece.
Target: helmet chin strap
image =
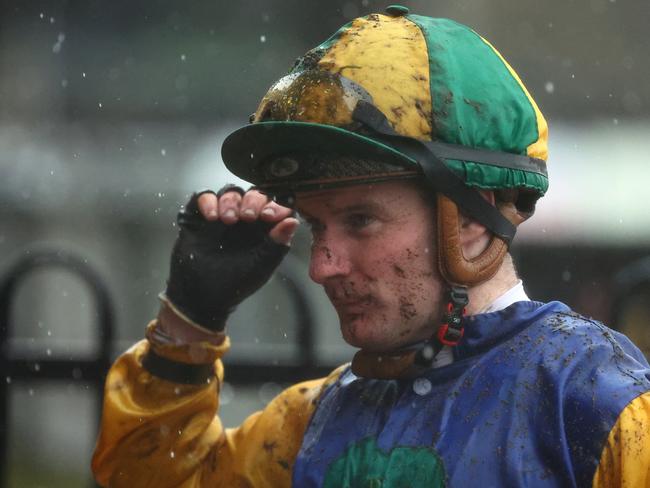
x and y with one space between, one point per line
461 273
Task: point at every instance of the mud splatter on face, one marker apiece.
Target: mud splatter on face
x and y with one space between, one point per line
407 309
399 271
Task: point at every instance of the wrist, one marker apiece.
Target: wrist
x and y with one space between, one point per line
183 330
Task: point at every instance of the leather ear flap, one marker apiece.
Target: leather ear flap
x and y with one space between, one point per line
454 267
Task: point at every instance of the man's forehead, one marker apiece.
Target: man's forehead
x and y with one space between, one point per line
341 198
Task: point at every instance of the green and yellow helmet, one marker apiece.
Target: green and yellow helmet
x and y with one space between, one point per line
419 97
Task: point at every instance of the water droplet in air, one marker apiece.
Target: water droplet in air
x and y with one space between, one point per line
421 386
163 152
549 87
262 38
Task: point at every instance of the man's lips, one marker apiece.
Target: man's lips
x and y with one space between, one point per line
351 304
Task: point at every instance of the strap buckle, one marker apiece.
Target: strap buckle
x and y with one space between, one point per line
451 331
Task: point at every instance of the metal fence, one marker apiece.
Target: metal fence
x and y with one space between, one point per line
24 367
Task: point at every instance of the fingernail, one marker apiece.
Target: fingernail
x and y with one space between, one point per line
269 212
249 212
230 213
212 212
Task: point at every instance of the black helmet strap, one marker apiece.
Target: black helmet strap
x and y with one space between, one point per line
438 175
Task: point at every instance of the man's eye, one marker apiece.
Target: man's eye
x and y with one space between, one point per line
359 221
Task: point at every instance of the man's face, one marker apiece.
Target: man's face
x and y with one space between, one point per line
373 253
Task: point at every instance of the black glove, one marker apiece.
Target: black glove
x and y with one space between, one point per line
215 266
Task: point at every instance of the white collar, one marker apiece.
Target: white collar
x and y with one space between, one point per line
514 294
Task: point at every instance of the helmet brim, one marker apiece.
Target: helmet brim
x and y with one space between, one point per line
248 148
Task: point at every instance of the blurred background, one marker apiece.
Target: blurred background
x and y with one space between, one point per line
112 113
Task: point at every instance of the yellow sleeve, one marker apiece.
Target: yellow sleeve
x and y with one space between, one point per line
625 460
158 433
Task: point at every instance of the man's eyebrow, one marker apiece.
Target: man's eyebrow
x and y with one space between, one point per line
358 207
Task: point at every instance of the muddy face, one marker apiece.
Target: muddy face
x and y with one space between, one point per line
373 253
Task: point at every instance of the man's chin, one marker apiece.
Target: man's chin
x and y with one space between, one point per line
361 332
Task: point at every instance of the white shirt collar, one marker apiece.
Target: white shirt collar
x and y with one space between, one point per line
514 294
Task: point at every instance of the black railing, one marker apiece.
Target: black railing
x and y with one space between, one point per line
21 366
631 279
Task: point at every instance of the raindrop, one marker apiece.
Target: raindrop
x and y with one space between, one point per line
566 275
64 83
268 391
549 87
421 386
615 121
183 57
163 152
172 455
52 20
41 15
76 374
262 38
49 333
83 75
100 104
31 392
48 351
8 379
227 393
37 367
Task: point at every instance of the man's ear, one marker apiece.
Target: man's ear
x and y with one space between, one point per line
474 236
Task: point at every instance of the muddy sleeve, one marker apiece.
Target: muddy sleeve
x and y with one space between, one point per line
159 433
625 460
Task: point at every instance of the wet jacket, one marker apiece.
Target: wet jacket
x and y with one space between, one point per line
537 396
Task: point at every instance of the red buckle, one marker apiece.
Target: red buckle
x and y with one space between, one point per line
443 330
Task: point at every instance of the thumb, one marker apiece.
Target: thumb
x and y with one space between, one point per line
283 232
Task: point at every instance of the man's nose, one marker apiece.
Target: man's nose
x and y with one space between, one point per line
328 259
